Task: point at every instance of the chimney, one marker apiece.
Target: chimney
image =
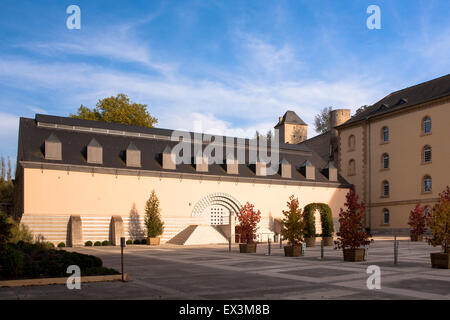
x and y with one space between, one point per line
53 148
133 156
308 170
286 169
94 152
232 164
168 162
330 171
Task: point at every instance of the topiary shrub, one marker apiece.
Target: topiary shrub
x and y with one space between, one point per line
152 220
310 221
88 244
61 245
137 241
105 243
129 241
97 243
144 241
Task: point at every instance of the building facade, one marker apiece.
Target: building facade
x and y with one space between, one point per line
81 180
396 153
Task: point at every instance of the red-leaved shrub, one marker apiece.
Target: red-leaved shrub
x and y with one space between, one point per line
417 220
248 222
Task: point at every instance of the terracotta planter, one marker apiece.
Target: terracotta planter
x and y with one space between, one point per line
247 247
440 260
310 242
354 255
327 241
292 251
416 237
153 241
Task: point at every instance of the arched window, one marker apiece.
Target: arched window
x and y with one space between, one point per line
351 142
426 125
385 161
385 188
386 216
351 167
426 154
385 134
427 184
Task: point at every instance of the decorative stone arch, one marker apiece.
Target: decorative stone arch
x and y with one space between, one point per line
223 199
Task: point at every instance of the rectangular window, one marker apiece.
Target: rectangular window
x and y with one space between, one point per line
386 216
427 155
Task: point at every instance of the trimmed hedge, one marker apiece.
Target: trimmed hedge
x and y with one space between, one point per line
326 219
129 241
144 241
88 244
97 244
26 260
105 243
137 241
61 245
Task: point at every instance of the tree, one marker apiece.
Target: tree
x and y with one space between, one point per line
361 109
3 171
5 230
438 221
351 233
322 120
294 223
152 220
417 220
117 109
8 172
248 222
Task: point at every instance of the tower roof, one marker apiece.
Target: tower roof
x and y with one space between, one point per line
292 118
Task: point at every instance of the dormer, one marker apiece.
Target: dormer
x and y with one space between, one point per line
168 162
201 163
133 156
232 164
330 171
261 168
53 148
94 152
286 169
308 170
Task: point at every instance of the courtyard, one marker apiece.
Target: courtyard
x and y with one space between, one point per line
211 272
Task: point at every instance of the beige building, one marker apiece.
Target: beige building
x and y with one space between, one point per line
81 180
396 153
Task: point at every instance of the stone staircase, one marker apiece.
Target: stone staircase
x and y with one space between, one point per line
198 234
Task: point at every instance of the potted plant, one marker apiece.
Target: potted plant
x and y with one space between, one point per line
248 223
326 218
438 221
352 235
417 223
310 224
293 228
152 220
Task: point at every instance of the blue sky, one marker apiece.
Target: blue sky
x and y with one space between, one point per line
228 67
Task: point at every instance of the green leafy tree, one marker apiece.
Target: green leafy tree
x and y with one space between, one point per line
293 223
9 170
3 169
439 222
152 220
118 109
5 230
322 120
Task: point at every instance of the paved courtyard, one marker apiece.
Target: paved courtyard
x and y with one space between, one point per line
211 272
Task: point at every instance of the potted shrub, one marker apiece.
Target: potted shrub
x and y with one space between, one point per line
248 223
417 223
352 235
326 218
310 224
293 228
152 220
438 221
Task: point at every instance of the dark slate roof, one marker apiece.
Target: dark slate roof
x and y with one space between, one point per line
74 142
292 118
319 144
405 98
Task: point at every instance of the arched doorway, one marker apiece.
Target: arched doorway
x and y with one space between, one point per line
216 208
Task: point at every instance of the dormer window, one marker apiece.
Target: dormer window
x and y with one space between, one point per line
94 152
53 148
286 169
308 170
133 156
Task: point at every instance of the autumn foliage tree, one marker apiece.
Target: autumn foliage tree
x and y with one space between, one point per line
248 222
438 221
417 220
352 233
117 109
293 223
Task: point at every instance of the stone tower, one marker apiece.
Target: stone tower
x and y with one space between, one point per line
291 128
337 117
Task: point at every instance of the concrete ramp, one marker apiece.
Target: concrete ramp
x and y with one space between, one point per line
198 234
